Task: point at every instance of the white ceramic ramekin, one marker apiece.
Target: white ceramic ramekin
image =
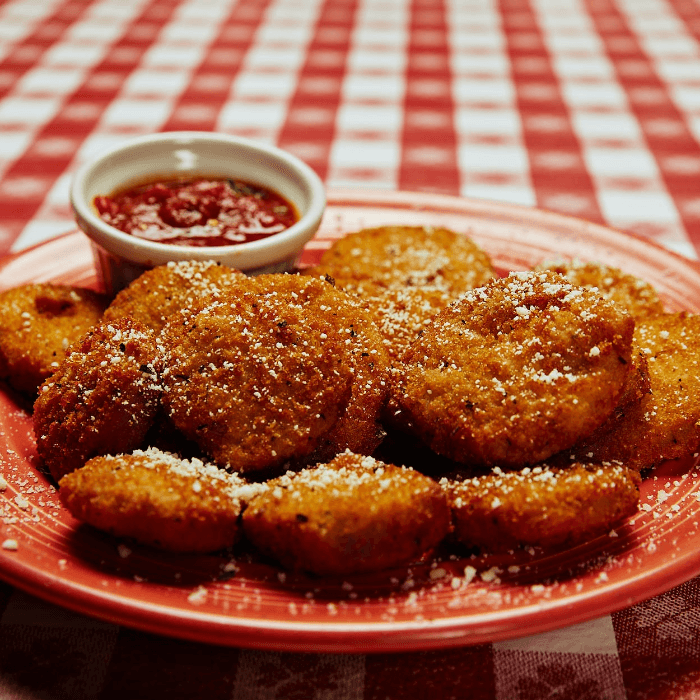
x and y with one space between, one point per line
121 257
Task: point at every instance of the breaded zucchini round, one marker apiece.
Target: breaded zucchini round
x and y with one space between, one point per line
352 515
38 322
258 376
102 399
158 499
516 370
665 423
157 294
408 256
541 506
637 296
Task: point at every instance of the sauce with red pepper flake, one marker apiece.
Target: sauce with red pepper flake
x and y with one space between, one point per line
197 212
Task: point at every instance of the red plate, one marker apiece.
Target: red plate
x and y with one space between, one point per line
221 600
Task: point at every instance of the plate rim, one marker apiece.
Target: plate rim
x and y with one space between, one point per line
323 637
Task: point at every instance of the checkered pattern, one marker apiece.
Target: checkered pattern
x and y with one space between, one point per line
587 107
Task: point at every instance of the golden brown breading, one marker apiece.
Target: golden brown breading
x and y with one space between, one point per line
260 375
157 294
37 324
102 399
402 445
541 506
359 427
404 276
516 370
637 296
665 423
638 384
408 256
400 314
353 515
159 499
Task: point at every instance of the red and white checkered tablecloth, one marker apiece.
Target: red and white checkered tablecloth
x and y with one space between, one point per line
586 107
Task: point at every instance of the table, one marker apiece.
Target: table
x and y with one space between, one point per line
586 107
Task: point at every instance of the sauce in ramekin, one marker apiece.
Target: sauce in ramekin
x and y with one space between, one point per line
197 212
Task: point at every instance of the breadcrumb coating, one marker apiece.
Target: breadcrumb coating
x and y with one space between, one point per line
409 256
359 427
163 291
160 500
516 370
102 398
38 322
637 296
401 314
352 515
258 375
541 506
665 423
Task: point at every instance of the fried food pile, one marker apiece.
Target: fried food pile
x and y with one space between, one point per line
398 397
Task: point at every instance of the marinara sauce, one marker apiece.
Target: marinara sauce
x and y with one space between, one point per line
197 212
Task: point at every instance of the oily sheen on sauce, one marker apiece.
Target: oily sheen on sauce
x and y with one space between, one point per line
197 212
